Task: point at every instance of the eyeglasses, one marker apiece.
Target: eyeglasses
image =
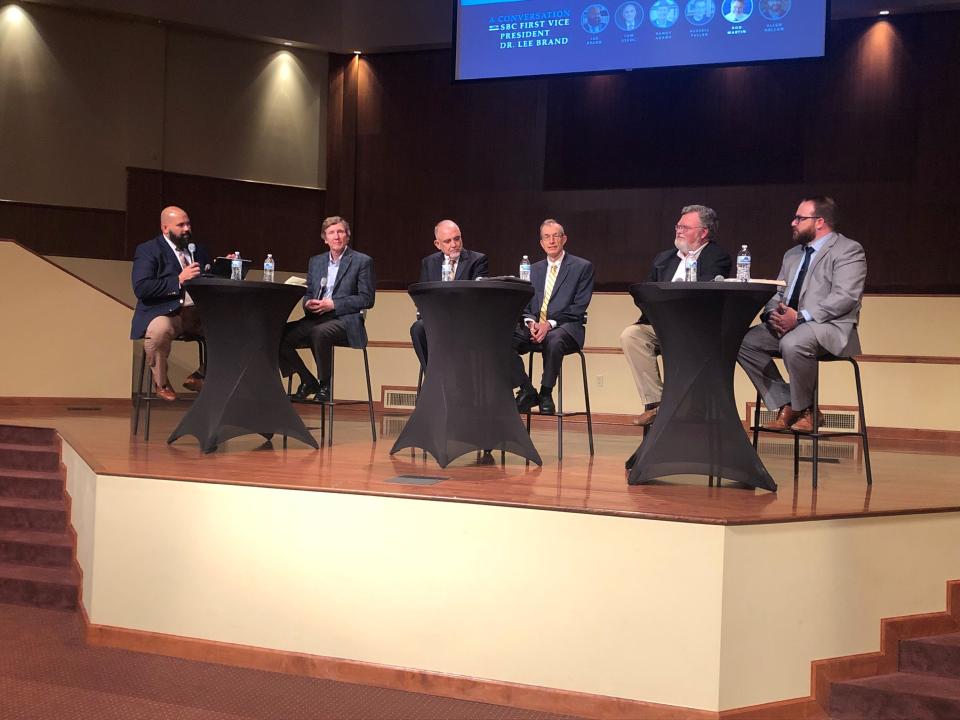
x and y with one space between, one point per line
554 236
686 228
801 218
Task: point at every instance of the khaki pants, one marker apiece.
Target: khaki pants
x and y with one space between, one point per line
640 348
161 332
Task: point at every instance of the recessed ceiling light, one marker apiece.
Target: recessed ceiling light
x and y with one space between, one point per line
287 43
358 52
884 12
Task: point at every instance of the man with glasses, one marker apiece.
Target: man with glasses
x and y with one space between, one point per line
553 321
816 313
695 236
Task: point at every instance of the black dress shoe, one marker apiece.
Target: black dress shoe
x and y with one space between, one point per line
527 399
487 458
323 393
305 390
546 404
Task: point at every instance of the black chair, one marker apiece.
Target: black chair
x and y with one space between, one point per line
560 414
143 398
817 434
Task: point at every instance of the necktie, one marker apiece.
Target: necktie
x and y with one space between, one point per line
547 291
798 285
187 300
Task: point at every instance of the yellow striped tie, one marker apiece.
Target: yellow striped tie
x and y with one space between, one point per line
547 291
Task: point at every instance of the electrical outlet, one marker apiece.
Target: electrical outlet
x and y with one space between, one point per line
599 381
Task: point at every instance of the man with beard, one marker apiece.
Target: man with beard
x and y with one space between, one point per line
466 265
164 310
817 313
696 233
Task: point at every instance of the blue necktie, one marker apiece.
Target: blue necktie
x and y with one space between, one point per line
798 285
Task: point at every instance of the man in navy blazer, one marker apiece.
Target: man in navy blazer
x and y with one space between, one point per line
340 284
467 265
164 310
695 234
556 326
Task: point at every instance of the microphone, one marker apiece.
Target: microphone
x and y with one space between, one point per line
206 268
192 249
719 278
323 286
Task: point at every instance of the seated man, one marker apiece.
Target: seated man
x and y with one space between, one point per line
695 235
340 283
467 265
164 311
553 320
825 274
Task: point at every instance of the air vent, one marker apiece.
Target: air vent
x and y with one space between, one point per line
399 398
839 419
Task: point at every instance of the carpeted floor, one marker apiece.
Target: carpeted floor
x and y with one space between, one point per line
48 673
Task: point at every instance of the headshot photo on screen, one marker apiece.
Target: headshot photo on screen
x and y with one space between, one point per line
736 11
774 9
700 12
595 18
629 16
664 13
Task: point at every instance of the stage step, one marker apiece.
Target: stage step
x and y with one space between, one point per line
45 587
31 484
33 514
937 655
898 696
25 456
34 547
14 435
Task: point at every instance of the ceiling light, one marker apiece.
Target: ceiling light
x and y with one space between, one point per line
884 12
287 43
358 52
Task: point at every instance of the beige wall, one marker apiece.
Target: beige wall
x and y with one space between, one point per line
84 96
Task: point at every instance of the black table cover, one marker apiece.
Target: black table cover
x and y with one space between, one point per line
697 430
242 394
467 402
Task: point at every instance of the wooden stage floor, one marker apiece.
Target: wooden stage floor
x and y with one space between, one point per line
909 478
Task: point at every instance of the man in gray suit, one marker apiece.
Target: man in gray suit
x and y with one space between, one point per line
816 313
340 284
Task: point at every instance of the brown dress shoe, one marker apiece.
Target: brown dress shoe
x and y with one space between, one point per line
786 417
165 393
804 423
194 383
647 417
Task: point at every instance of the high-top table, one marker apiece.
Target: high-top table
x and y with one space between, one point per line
466 402
242 394
698 431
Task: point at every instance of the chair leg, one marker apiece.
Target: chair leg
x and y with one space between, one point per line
796 457
366 369
756 423
329 404
863 420
138 396
149 401
289 389
815 460
586 400
560 413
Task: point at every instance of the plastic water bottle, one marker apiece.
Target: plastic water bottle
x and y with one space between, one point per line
236 266
525 268
446 271
268 268
690 269
743 264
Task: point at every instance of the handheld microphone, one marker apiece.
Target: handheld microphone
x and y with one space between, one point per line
323 286
192 249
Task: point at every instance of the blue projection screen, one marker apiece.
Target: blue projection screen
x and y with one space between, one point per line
545 37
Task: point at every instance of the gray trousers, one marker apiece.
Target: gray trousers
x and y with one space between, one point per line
800 351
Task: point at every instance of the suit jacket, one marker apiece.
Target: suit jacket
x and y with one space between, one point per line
572 291
353 291
712 261
470 266
156 282
832 291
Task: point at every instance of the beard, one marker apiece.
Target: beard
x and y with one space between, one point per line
681 245
181 240
802 237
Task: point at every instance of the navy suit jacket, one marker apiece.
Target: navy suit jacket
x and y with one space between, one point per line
572 291
713 260
470 266
156 282
353 291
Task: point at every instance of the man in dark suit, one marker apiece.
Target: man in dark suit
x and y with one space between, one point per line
554 319
466 265
340 284
164 310
817 312
695 235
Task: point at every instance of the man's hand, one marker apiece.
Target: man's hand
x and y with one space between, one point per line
783 319
538 331
189 272
312 305
319 306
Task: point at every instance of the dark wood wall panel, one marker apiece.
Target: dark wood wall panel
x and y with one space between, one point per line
227 215
66 231
616 157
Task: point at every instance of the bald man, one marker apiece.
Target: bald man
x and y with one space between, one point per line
164 310
467 265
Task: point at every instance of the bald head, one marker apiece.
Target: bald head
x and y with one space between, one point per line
175 225
447 238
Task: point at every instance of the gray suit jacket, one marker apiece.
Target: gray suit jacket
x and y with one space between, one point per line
354 290
832 292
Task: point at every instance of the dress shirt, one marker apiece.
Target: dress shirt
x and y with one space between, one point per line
816 245
680 273
332 269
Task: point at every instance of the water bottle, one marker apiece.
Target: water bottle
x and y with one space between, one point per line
268 268
446 271
236 266
743 264
690 268
525 268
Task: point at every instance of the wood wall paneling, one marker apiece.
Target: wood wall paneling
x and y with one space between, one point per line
67 231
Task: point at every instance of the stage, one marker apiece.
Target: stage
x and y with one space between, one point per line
558 587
